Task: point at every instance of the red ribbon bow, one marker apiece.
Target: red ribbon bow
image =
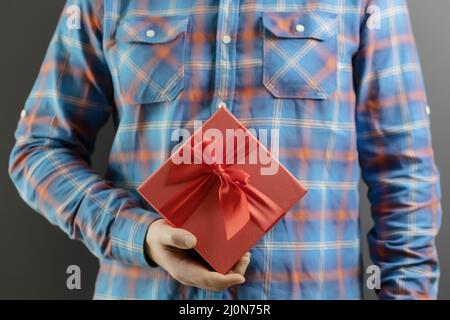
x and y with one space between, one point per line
239 201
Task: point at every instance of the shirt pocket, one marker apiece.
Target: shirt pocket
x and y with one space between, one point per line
151 53
300 54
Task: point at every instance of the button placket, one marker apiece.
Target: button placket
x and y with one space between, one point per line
225 54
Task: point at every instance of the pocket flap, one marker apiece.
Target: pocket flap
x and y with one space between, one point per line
318 25
151 29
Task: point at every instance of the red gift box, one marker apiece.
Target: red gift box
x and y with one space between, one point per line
215 186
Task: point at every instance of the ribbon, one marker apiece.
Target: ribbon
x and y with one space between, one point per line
239 201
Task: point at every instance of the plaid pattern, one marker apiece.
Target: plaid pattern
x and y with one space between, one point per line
344 97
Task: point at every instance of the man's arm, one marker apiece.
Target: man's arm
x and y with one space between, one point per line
50 163
396 156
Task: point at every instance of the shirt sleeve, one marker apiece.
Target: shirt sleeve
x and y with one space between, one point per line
50 162
396 156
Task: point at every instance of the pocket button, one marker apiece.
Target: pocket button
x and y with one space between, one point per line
300 28
150 33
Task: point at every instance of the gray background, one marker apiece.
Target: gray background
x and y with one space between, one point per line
34 255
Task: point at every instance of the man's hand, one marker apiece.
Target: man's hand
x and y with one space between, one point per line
168 247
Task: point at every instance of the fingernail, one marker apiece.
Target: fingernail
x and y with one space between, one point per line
189 241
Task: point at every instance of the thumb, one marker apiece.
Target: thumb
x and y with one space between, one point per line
178 238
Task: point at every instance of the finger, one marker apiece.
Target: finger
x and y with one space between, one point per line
178 238
218 282
241 266
215 281
193 273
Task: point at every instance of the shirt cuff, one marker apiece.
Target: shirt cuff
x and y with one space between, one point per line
128 236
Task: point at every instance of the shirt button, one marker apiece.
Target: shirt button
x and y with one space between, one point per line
150 33
226 39
300 28
222 105
23 114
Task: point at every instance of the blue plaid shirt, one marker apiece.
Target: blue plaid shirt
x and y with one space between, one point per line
339 79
